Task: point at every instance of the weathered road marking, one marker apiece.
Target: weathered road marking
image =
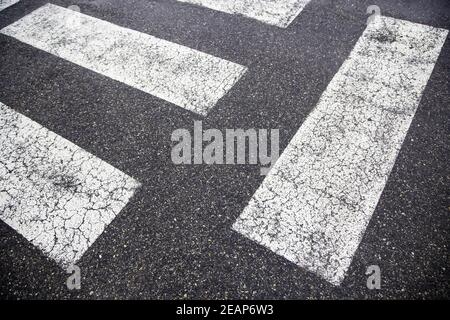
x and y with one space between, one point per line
275 12
7 3
55 194
315 204
188 78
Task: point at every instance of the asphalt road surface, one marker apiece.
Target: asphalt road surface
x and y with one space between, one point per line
91 92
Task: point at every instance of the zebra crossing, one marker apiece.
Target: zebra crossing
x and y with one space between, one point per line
188 78
57 195
316 203
314 206
279 13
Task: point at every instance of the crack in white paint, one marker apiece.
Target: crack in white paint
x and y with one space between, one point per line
279 13
7 3
186 77
55 194
316 202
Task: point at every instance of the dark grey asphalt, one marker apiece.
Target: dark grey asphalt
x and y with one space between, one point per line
174 238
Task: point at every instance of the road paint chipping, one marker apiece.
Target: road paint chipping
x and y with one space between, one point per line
317 201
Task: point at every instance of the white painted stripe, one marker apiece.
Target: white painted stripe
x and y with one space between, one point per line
55 194
279 13
188 78
7 3
316 203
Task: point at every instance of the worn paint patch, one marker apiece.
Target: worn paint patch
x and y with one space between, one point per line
188 78
316 203
279 13
55 194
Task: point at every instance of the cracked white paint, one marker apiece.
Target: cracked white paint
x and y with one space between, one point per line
279 13
7 3
55 194
188 78
316 202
